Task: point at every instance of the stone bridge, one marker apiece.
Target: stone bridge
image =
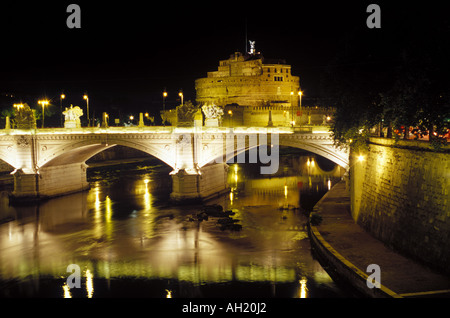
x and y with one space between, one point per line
51 162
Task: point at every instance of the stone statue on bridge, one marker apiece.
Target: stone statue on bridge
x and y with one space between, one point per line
185 114
72 117
213 114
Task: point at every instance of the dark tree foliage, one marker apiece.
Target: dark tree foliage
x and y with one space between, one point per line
397 77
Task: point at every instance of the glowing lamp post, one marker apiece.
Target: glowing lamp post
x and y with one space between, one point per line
87 109
230 112
292 110
164 108
43 103
60 108
181 95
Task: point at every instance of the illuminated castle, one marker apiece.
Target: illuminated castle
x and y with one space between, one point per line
249 80
254 91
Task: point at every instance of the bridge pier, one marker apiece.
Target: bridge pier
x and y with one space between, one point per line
48 182
199 184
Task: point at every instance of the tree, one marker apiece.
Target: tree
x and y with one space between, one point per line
398 79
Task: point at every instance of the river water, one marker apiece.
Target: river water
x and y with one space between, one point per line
128 241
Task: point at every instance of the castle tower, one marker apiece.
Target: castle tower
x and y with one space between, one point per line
249 80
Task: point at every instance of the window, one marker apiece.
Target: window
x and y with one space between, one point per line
278 78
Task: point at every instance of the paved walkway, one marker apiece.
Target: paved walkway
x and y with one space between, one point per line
347 250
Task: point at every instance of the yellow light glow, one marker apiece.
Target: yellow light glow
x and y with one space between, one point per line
66 289
85 97
63 96
169 293
108 209
303 288
328 118
97 201
285 191
360 158
165 94
89 283
146 181
300 93
231 197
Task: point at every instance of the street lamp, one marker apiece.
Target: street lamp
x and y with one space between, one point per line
230 112
60 108
292 110
181 95
43 103
164 108
87 104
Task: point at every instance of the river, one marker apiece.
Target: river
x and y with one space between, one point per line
128 241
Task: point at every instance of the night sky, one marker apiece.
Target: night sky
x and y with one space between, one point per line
127 52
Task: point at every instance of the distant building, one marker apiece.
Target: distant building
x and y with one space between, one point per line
255 91
249 80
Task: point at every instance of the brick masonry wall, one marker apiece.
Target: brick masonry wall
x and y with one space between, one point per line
401 196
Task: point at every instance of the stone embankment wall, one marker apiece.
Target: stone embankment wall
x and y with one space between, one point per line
400 194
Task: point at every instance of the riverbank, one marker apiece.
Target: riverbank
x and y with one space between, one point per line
346 250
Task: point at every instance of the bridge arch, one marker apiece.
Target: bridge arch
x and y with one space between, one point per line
79 151
324 148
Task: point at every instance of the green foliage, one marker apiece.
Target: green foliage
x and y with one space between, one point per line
396 85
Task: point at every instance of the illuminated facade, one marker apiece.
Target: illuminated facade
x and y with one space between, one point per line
255 91
249 80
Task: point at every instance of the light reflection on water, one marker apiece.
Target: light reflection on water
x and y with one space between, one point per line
130 242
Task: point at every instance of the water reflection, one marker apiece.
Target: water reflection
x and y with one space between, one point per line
303 288
122 232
